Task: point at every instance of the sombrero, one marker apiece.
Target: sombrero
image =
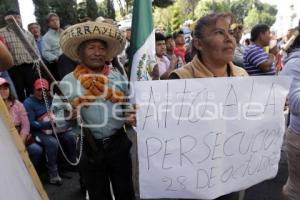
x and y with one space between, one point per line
73 36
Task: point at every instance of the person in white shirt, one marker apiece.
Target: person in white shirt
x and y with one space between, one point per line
165 65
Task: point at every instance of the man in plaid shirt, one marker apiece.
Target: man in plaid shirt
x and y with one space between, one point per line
21 73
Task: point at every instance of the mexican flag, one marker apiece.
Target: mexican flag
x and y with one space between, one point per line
142 42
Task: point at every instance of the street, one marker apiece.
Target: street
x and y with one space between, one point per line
267 190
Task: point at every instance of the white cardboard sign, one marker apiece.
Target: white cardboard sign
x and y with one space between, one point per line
15 182
203 138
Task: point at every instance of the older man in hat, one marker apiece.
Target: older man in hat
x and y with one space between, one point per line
98 98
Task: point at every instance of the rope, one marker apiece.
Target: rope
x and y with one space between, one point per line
36 65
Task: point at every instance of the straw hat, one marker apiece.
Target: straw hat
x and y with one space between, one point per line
73 36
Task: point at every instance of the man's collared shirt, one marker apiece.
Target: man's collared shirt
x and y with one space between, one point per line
254 55
238 58
19 53
103 117
39 44
50 45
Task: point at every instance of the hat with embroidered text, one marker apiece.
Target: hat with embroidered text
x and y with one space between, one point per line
75 35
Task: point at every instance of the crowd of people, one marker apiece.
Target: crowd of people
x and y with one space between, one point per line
96 66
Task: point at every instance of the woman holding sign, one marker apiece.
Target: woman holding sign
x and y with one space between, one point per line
213 50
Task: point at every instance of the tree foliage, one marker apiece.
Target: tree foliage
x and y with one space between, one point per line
122 9
129 5
255 16
260 13
156 3
41 11
168 13
102 10
251 12
248 12
81 10
91 9
163 3
240 9
6 5
107 10
126 9
207 6
87 8
173 16
189 7
163 18
176 19
111 10
65 9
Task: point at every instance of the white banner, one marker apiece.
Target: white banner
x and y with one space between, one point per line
15 182
203 138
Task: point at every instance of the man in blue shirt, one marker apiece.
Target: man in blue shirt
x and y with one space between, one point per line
256 60
35 29
51 50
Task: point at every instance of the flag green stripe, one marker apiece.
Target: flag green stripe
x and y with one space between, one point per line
142 23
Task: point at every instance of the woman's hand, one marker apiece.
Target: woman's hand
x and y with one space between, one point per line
130 114
174 61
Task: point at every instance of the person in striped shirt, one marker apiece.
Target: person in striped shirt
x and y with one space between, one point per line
257 61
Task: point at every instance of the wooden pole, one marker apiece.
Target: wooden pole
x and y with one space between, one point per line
19 32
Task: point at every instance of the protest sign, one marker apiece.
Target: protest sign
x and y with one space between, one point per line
203 138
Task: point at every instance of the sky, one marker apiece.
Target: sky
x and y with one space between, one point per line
27 12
